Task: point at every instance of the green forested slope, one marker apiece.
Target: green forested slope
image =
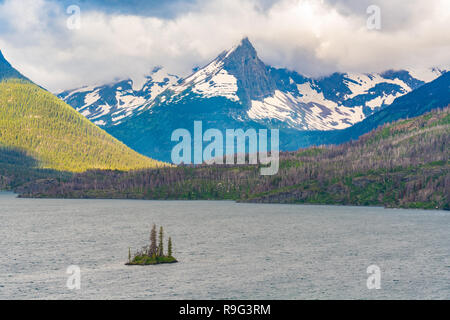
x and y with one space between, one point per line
36 122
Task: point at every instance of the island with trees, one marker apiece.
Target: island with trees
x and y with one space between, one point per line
153 253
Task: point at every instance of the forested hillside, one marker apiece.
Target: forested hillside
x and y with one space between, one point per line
17 168
47 130
403 164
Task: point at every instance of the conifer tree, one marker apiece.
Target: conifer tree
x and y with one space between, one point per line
152 250
161 239
169 247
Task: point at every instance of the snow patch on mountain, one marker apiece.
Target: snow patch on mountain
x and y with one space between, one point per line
385 99
304 113
221 84
138 82
426 74
91 98
312 95
100 122
361 83
210 81
159 81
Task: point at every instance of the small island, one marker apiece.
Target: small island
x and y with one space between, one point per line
152 254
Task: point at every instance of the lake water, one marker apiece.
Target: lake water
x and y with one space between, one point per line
226 250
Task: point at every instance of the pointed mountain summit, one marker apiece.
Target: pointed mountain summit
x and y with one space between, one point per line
253 79
7 71
236 74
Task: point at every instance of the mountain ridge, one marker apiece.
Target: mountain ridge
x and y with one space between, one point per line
432 95
266 93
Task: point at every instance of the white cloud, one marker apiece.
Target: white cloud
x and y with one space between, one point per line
313 37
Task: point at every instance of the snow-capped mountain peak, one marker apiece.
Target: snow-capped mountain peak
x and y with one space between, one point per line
237 74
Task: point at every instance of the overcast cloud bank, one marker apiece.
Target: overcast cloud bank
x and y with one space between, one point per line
313 37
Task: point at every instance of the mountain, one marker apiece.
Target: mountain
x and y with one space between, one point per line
433 95
113 103
237 90
401 164
237 74
268 95
51 135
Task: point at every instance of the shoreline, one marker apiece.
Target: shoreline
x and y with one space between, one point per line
19 196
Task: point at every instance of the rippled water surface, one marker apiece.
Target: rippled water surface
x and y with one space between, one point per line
226 250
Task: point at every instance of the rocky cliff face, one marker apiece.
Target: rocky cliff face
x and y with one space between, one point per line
253 78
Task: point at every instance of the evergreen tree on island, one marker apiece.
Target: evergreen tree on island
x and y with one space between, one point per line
152 251
153 254
160 246
169 247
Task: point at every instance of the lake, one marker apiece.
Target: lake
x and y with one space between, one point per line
226 250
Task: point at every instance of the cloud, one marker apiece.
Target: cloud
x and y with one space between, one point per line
313 37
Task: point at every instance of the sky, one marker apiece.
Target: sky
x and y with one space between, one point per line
112 39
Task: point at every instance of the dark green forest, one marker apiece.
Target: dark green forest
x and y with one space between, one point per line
17 168
401 164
